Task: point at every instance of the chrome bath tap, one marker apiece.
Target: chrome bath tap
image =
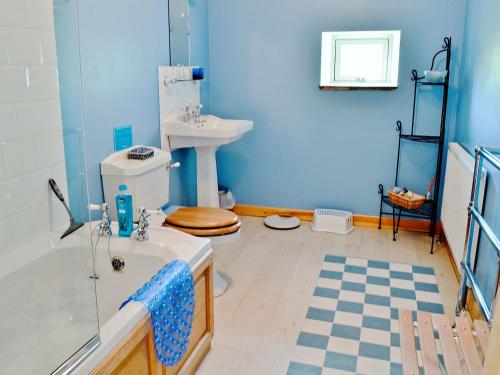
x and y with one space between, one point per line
143 224
104 227
142 233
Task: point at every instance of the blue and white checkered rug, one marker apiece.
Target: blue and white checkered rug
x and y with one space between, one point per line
352 324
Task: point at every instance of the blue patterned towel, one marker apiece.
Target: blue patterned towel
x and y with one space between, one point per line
169 296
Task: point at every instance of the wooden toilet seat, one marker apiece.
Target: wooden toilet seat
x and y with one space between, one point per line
207 232
203 221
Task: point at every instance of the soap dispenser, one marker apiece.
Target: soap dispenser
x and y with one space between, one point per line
125 213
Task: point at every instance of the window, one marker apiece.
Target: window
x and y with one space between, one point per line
360 59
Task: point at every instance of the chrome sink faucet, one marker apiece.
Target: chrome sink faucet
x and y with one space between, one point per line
192 114
197 113
188 116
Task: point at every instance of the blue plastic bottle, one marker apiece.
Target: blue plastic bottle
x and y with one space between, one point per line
124 211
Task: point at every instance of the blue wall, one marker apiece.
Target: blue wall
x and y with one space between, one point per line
312 148
478 119
309 148
122 44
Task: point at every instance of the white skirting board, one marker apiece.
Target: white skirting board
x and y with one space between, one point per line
456 198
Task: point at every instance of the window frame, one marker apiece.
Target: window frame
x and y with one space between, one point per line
330 79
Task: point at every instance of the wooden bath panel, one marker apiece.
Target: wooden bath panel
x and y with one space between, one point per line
136 354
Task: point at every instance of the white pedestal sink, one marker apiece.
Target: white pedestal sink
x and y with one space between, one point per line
206 137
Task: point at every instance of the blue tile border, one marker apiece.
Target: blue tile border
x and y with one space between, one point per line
320 314
313 340
423 270
435 308
378 264
346 332
335 259
353 287
326 274
355 269
326 292
403 293
373 299
394 313
373 322
341 361
396 368
426 287
297 368
375 351
351 307
395 340
401 275
376 280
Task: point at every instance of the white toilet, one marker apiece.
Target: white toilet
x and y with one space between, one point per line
148 182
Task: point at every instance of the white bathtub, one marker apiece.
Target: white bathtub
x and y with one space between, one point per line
142 261
48 304
48 298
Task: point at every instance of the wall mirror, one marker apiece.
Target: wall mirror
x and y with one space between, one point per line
178 14
188 23
189 42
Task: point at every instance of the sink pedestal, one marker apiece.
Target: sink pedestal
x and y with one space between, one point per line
206 136
207 185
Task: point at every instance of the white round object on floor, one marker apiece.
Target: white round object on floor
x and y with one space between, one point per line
282 222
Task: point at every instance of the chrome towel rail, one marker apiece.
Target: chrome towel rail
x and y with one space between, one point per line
474 216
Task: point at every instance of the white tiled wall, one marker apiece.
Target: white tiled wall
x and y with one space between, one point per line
31 139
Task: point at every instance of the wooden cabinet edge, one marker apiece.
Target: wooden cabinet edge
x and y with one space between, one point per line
142 334
195 358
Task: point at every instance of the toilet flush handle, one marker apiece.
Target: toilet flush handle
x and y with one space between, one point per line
174 165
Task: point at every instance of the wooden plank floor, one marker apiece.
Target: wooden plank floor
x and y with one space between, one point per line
273 275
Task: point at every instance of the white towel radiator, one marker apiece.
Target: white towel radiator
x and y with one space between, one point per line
456 198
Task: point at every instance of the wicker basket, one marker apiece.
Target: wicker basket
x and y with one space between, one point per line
417 200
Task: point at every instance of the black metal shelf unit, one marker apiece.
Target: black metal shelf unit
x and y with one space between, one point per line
430 208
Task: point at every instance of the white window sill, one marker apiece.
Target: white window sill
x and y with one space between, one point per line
351 88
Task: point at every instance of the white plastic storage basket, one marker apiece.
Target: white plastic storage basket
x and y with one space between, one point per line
335 221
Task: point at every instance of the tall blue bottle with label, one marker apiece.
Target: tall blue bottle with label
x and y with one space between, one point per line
124 211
